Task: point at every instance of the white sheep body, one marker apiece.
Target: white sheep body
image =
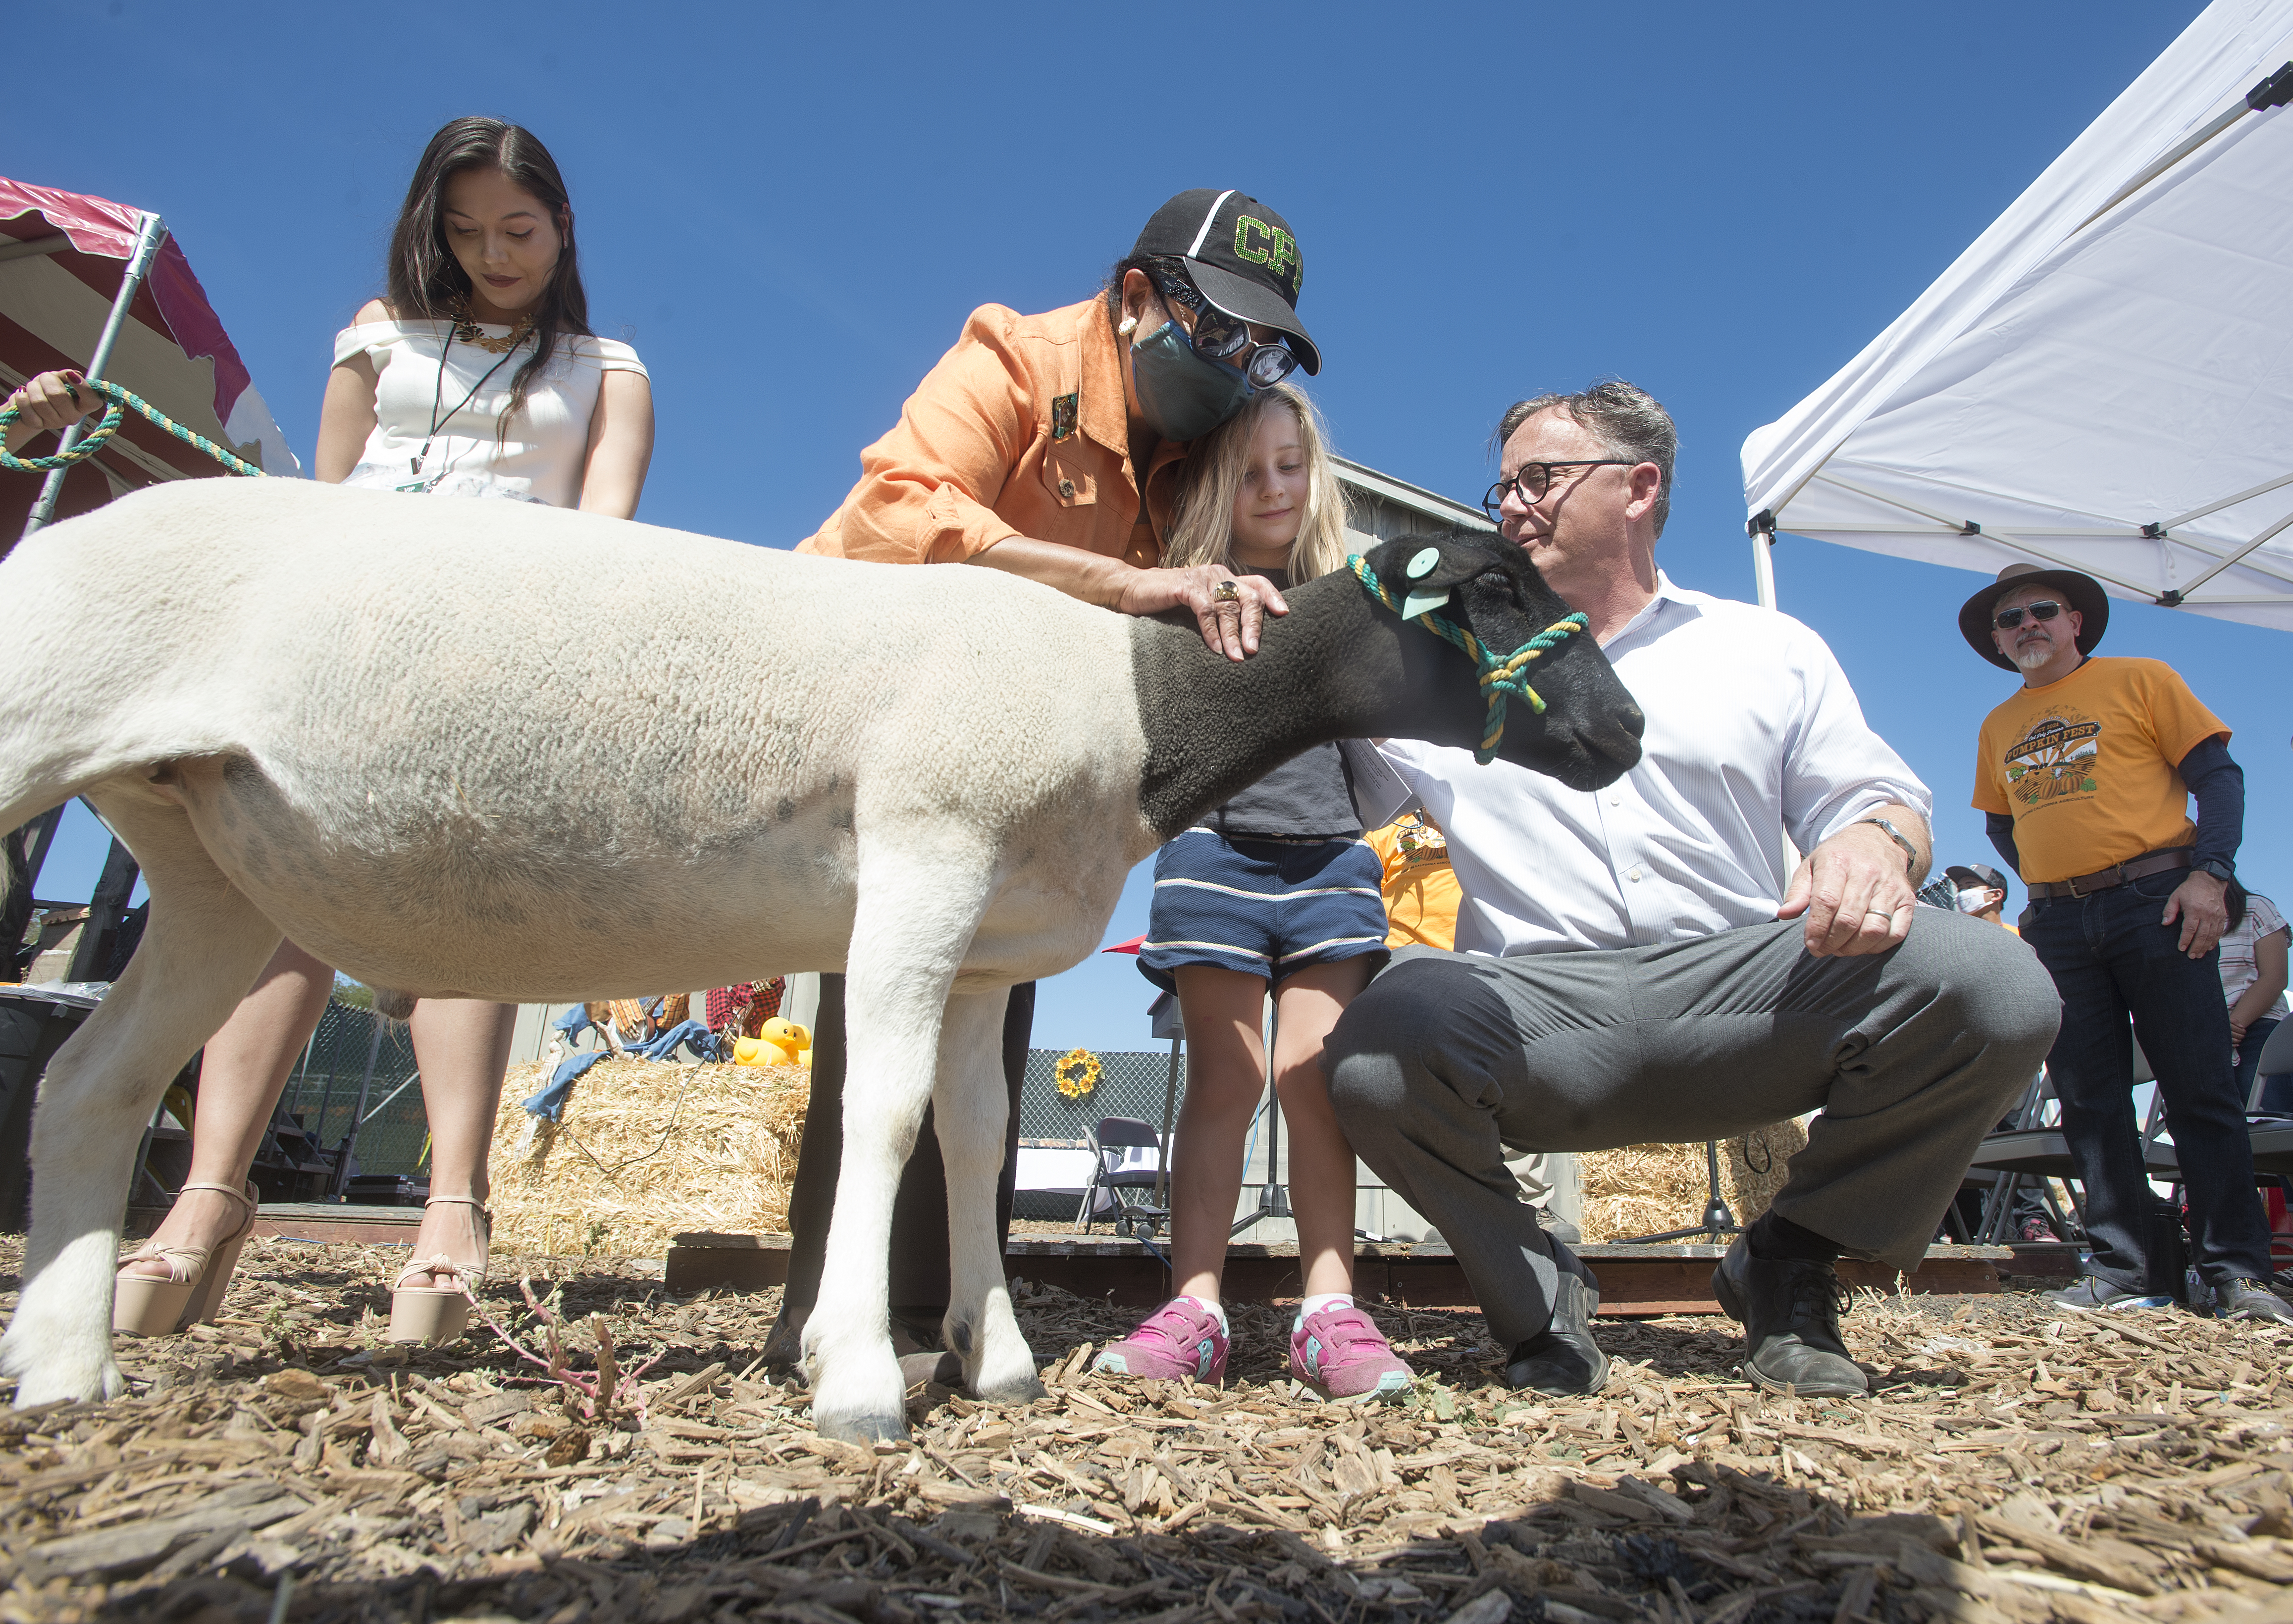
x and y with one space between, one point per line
400 732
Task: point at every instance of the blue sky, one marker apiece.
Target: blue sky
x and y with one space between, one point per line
789 212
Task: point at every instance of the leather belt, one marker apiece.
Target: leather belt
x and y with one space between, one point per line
2117 874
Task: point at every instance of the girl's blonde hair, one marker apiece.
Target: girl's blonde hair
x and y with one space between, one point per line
1203 532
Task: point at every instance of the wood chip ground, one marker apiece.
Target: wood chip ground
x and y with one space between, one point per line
285 1464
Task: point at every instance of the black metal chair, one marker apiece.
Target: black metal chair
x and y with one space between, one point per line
1126 1161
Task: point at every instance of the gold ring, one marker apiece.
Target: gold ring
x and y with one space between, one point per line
1226 592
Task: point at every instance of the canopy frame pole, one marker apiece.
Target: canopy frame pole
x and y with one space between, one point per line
2180 595
151 234
1761 526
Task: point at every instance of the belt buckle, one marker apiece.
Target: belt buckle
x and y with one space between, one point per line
2117 868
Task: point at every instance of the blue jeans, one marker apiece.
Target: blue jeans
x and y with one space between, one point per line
2112 958
2277 1089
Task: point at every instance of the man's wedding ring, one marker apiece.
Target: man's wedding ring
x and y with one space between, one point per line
1225 592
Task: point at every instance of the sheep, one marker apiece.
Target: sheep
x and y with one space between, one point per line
382 727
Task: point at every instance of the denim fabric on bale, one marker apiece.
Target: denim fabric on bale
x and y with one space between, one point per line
2110 958
1266 908
704 1044
550 1102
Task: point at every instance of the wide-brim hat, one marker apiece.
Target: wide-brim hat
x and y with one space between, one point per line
1242 256
2085 594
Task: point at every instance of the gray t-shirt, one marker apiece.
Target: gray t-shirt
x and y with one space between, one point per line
1307 794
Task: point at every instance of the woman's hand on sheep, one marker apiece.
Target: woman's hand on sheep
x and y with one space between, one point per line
48 401
1229 624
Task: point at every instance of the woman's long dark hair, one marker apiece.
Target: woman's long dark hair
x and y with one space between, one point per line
426 280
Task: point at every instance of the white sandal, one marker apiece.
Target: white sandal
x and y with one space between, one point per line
438 1314
146 1306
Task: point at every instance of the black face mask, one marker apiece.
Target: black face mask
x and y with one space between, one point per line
1181 395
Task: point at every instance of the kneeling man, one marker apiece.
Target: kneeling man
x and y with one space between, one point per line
1635 966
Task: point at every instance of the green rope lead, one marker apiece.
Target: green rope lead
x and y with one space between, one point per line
1501 677
90 444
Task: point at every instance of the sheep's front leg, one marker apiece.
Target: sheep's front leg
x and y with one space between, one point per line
919 904
206 945
969 1109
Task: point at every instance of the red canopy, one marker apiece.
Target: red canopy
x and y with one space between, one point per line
172 350
1131 946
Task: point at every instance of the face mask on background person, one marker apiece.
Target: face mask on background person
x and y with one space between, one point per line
1181 394
1974 902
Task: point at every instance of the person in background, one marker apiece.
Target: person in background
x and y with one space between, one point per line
1274 890
2253 981
1981 892
1048 447
2085 777
475 375
1422 897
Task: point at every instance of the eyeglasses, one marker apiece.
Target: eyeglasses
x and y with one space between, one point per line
2007 619
1219 337
1533 480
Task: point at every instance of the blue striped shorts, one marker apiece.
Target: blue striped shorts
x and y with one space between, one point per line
1268 907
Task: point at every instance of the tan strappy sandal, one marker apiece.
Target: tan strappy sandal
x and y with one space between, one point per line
146 1306
438 1314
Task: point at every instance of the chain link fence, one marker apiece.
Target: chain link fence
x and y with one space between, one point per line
1130 1084
322 1091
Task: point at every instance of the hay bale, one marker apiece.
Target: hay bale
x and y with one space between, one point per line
1647 1189
618 1175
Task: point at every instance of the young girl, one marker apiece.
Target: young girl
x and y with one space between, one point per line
477 376
1276 888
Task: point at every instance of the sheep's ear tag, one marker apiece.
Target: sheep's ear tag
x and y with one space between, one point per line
1421 602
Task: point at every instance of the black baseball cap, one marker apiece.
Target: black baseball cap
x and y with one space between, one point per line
1241 254
1976 875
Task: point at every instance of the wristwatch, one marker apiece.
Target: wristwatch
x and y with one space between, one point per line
2224 872
1910 851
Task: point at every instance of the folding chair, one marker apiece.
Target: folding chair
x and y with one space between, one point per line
1126 1161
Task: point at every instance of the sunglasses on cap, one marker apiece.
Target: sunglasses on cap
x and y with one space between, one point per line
1218 336
2007 619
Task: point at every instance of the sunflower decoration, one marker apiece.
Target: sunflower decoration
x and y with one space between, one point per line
1077 1073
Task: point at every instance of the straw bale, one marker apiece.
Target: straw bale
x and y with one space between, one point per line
646 1150
1647 1189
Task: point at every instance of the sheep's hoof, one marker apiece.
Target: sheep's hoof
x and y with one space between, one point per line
1023 1390
862 1429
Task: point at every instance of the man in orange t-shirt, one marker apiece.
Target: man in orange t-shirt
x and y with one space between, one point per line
2085 777
1048 446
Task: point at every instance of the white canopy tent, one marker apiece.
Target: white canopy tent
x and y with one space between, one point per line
2104 379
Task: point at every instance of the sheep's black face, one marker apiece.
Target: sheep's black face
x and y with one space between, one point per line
1590 732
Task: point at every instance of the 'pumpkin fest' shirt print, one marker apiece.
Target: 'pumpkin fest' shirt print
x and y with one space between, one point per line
2087 766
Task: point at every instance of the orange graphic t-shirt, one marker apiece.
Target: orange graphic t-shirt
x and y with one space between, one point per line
1421 889
2087 766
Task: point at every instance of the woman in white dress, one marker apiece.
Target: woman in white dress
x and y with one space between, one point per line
475 375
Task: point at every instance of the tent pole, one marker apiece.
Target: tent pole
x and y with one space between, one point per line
1761 526
150 233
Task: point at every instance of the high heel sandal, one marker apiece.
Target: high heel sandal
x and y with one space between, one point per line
146 1306
438 1314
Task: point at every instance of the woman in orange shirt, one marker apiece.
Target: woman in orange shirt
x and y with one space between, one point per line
1048 445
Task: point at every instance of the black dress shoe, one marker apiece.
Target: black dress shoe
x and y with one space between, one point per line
2245 1298
1789 1309
1563 1360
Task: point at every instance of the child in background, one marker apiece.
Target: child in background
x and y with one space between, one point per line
2253 981
1276 888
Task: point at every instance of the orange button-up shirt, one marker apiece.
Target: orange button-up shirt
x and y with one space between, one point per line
1020 430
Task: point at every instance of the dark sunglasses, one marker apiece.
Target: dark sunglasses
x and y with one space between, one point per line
1533 480
1218 336
2007 619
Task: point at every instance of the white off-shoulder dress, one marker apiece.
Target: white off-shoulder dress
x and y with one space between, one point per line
539 459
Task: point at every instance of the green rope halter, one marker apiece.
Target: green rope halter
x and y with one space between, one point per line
89 443
1502 676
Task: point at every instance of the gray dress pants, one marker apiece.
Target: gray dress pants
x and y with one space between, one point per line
1449 1062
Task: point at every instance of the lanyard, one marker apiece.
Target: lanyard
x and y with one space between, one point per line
437 399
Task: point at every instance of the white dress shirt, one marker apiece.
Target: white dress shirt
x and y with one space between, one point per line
1753 732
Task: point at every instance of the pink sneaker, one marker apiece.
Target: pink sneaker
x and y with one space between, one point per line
1341 1351
1177 1340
